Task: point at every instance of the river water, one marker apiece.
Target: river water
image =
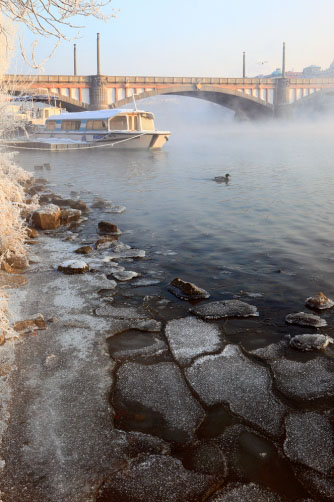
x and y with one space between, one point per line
267 231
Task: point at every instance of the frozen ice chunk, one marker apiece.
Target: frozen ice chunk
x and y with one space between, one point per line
231 377
161 388
125 275
304 380
189 337
155 478
120 312
237 492
306 319
309 440
225 308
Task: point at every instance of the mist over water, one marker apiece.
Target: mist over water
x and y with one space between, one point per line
267 231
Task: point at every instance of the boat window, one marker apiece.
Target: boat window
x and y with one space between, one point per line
51 125
133 123
97 124
70 125
147 123
118 123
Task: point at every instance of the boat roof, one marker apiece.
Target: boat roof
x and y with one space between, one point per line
93 115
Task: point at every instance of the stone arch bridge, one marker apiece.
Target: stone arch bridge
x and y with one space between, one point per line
248 97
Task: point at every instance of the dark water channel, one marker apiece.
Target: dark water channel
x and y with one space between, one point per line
264 237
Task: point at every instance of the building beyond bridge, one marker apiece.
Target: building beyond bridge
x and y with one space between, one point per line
248 97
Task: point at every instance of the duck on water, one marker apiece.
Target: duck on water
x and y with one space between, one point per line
222 179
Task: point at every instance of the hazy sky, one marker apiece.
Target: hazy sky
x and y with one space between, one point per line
200 38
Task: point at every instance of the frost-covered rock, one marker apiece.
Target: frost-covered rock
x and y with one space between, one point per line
238 492
46 217
232 378
305 319
304 380
162 389
69 215
189 337
187 290
319 302
70 267
310 440
310 342
155 478
125 275
225 308
84 250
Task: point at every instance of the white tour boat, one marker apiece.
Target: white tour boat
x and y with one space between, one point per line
119 128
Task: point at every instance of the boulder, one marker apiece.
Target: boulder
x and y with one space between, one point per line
81 205
84 250
74 267
187 290
238 492
105 241
319 302
310 342
69 215
108 228
306 319
47 217
225 308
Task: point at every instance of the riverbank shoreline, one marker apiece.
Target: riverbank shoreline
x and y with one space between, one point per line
118 396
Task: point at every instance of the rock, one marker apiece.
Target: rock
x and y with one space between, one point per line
32 233
81 206
69 215
319 486
47 166
73 267
306 319
225 308
99 203
310 342
105 241
304 380
109 228
55 199
238 492
84 250
47 217
8 269
2 338
125 275
207 458
189 337
155 478
39 168
309 440
319 302
230 377
161 389
187 290
37 322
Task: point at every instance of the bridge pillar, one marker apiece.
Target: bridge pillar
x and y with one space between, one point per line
98 93
281 97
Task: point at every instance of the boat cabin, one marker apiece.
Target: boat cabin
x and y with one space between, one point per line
102 121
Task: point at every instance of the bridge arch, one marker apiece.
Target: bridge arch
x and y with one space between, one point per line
243 104
43 96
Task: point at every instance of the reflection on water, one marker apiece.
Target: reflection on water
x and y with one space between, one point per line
268 230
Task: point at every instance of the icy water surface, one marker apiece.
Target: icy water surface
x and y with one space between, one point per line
268 231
